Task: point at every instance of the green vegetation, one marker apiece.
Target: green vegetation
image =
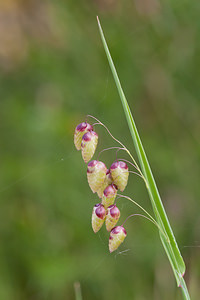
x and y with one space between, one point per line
53 73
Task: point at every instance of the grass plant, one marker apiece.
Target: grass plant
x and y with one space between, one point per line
165 231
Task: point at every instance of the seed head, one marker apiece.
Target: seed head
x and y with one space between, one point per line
88 145
119 173
109 195
98 217
117 236
107 182
96 174
112 217
80 130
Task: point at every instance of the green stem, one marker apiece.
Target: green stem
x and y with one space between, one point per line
184 289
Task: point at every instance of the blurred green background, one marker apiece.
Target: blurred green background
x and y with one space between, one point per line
53 73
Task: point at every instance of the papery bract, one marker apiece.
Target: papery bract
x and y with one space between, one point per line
98 217
107 182
88 145
80 130
117 236
109 195
112 216
119 173
96 174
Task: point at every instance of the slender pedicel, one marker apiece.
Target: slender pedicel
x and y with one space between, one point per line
130 199
110 148
152 219
128 162
118 234
100 123
133 215
132 172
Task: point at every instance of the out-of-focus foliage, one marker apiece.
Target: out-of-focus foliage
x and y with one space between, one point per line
53 73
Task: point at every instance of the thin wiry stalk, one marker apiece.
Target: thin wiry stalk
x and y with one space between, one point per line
144 210
135 173
129 163
110 148
100 123
133 215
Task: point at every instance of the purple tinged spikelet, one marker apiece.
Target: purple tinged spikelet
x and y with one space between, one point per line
80 130
112 217
96 174
117 236
119 173
98 217
88 145
109 195
107 182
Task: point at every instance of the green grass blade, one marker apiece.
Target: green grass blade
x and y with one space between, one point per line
169 244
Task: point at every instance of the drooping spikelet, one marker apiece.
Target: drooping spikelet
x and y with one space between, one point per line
109 195
96 174
80 130
98 217
107 182
88 145
112 216
117 236
119 173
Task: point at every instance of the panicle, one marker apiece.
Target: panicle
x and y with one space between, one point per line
105 182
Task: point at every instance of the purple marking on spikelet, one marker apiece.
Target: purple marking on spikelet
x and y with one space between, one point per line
84 126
